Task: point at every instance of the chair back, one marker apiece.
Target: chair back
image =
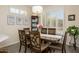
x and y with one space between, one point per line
35 40
27 30
27 33
52 31
21 35
44 30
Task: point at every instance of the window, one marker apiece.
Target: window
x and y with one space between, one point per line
51 22
44 20
54 19
18 11
60 23
12 10
21 12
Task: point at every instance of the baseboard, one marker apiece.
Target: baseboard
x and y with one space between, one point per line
9 44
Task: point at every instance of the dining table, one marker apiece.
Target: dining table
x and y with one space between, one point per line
49 37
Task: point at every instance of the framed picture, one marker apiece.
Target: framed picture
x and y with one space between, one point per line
11 20
71 17
19 20
26 20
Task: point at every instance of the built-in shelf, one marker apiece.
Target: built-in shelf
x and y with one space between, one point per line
34 22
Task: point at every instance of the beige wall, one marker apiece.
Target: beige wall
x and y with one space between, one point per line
69 10
11 30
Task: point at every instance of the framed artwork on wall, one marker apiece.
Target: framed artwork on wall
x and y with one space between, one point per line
11 20
71 17
26 21
19 20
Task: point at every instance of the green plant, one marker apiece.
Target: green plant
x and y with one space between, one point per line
73 30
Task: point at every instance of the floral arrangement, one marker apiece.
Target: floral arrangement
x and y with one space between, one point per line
40 26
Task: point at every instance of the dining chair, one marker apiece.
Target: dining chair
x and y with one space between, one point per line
59 46
36 44
52 31
27 29
27 33
44 30
22 39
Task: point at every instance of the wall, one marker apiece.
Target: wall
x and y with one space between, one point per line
69 10
11 30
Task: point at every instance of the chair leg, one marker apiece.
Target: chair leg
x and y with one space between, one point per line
31 51
64 50
50 50
20 47
25 49
53 50
47 50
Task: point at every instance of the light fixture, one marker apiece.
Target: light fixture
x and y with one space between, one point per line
37 9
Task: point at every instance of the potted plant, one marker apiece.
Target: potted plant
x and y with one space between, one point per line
73 31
